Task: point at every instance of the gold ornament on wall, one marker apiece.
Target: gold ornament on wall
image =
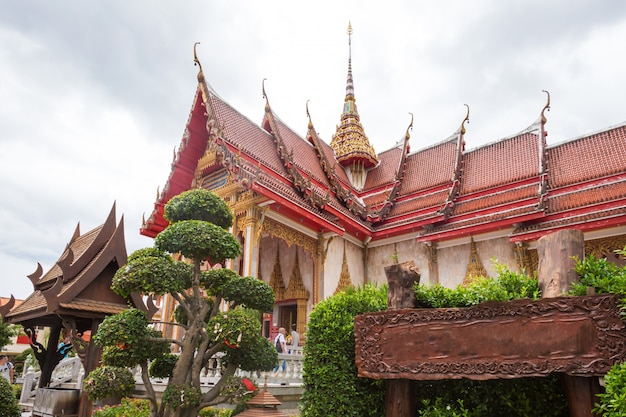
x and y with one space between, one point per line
344 278
475 268
296 289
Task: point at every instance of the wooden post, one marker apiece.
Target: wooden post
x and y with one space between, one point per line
51 357
556 273
90 362
399 400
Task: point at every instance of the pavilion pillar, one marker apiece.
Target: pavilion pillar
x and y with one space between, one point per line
556 272
51 356
91 360
399 399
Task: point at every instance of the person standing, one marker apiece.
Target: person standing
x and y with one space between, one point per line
6 368
295 338
281 347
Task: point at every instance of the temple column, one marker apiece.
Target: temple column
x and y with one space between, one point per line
251 226
249 222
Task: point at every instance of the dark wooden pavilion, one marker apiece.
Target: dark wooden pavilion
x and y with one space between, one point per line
74 296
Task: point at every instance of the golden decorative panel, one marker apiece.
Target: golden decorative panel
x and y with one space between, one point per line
475 268
296 289
344 278
605 247
276 280
289 235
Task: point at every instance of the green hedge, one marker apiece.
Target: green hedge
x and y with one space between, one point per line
332 387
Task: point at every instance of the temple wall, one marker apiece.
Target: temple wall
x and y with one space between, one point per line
379 257
452 261
334 263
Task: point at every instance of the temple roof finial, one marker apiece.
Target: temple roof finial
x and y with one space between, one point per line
349 142
546 107
465 120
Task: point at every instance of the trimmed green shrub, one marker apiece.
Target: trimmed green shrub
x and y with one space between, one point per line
129 407
332 387
109 381
602 275
508 285
521 397
8 403
613 400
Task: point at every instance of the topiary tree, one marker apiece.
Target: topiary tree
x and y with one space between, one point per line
329 372
199 232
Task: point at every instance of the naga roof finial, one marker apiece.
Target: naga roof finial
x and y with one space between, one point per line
407 136
263 88
546 107
196 61
465 120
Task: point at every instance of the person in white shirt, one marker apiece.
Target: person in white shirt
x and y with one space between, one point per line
295 338
6 368
281 347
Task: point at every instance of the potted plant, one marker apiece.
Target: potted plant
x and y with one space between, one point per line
109 384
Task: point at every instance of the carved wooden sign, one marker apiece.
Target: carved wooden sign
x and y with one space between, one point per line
581 336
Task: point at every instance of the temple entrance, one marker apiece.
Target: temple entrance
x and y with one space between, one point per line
287 315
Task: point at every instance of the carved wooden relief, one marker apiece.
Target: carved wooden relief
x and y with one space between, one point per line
581 336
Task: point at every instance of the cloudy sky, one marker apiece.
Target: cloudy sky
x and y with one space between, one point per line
94 96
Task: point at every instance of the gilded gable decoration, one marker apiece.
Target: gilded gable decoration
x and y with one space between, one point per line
344 278
276 280
523 257
605 248
289 235
475 268
296 289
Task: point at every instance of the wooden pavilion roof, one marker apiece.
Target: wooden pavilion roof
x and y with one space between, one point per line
77 286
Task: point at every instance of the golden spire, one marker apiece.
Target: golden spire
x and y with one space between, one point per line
351 145
344 277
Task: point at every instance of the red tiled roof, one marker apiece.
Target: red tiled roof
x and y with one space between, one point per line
431 200
594 156
499 182
428 168
594 193
386 170
463 206
582 221
244 134
508 161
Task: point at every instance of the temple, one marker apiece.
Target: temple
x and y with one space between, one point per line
314 218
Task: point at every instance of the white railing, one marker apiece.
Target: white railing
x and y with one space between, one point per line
291 374
68 371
